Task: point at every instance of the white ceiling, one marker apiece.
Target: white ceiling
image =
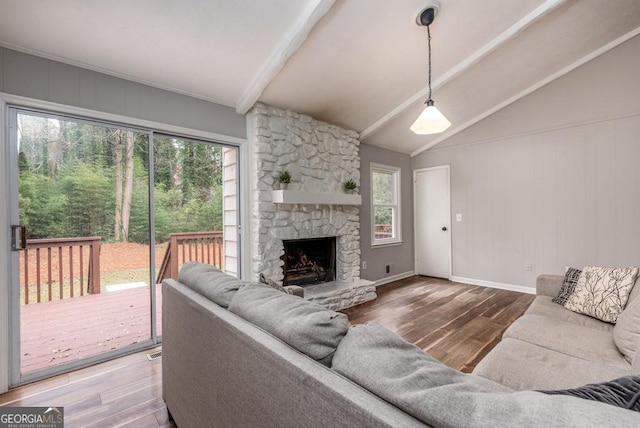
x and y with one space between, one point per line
360 64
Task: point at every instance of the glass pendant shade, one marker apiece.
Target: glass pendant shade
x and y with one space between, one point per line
430 121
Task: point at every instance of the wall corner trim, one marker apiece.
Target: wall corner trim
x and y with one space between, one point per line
491 284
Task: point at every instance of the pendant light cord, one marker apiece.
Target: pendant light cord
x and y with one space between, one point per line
429 45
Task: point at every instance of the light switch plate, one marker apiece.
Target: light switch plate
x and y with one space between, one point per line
458 217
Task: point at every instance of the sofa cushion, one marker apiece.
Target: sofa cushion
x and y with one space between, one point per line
568 285
622 392
304 325
549 285
602 292
567 338
210 281
635 364
626 333
522 365
543 306
403 374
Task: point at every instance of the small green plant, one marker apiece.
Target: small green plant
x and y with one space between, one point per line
349 185
284 177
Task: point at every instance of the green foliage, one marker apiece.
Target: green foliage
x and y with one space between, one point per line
68 178
284 177
41 206
350 184
88 193
383 195
382 185
139 219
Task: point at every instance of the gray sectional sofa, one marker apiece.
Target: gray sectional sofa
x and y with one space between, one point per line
550 347
237 354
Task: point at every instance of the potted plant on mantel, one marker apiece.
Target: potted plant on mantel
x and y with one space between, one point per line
350 186
284 177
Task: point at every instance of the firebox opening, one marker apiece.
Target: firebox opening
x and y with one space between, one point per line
309 261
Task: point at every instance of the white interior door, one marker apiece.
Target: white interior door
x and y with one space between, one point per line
432 221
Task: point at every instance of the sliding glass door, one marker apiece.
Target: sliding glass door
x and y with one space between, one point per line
80 224
100 214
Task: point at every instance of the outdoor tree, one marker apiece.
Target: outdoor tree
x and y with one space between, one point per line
124 183
82 179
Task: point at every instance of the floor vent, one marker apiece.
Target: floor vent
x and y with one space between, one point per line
154 355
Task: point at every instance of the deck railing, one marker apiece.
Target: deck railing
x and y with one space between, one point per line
383 231
205 247
61 266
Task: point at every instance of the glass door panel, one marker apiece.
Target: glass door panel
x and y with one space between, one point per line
195 205
85 274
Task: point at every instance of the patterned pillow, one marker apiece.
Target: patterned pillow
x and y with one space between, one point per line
271 283
602 292
568 285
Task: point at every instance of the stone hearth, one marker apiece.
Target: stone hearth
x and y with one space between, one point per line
320 157
337 295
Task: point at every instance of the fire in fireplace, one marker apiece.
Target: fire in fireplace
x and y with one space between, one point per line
309 261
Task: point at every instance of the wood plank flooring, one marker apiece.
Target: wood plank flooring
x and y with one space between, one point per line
123 392
456 323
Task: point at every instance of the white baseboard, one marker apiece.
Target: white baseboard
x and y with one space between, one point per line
491 284
392 278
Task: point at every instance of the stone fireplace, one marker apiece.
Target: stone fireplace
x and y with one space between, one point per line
320 157
309 261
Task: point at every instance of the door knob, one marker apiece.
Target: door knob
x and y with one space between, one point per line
444 228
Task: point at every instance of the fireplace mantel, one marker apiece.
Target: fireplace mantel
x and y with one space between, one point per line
314 198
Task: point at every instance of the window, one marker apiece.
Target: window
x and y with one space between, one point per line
385 204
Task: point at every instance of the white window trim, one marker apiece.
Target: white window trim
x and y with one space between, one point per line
397 173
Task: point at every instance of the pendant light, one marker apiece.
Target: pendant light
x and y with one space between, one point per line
430 121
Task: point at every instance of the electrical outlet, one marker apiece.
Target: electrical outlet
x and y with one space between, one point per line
388 269
528 267
364 265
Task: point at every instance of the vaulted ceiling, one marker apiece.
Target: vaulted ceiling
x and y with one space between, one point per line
360 64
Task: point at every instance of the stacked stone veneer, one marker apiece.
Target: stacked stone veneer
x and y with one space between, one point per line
320 157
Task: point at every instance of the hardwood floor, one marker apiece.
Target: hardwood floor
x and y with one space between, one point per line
456 323
123 392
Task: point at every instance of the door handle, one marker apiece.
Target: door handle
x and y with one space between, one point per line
18 242
444 228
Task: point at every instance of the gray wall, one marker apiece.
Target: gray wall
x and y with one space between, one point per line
551 180
43 79
400 256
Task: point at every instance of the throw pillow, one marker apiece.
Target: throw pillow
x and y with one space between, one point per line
271 283
406 376
626 333
304 325
210 281
622 392
602 292
568 285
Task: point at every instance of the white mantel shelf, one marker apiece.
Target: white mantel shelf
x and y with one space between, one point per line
316 198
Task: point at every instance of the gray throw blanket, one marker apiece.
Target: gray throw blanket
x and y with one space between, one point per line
622 392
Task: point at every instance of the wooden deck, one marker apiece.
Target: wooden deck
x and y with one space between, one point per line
62 331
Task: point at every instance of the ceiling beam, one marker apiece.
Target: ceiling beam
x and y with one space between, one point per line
289 44
529 90
466 64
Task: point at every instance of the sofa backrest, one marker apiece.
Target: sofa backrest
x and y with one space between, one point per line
220 370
